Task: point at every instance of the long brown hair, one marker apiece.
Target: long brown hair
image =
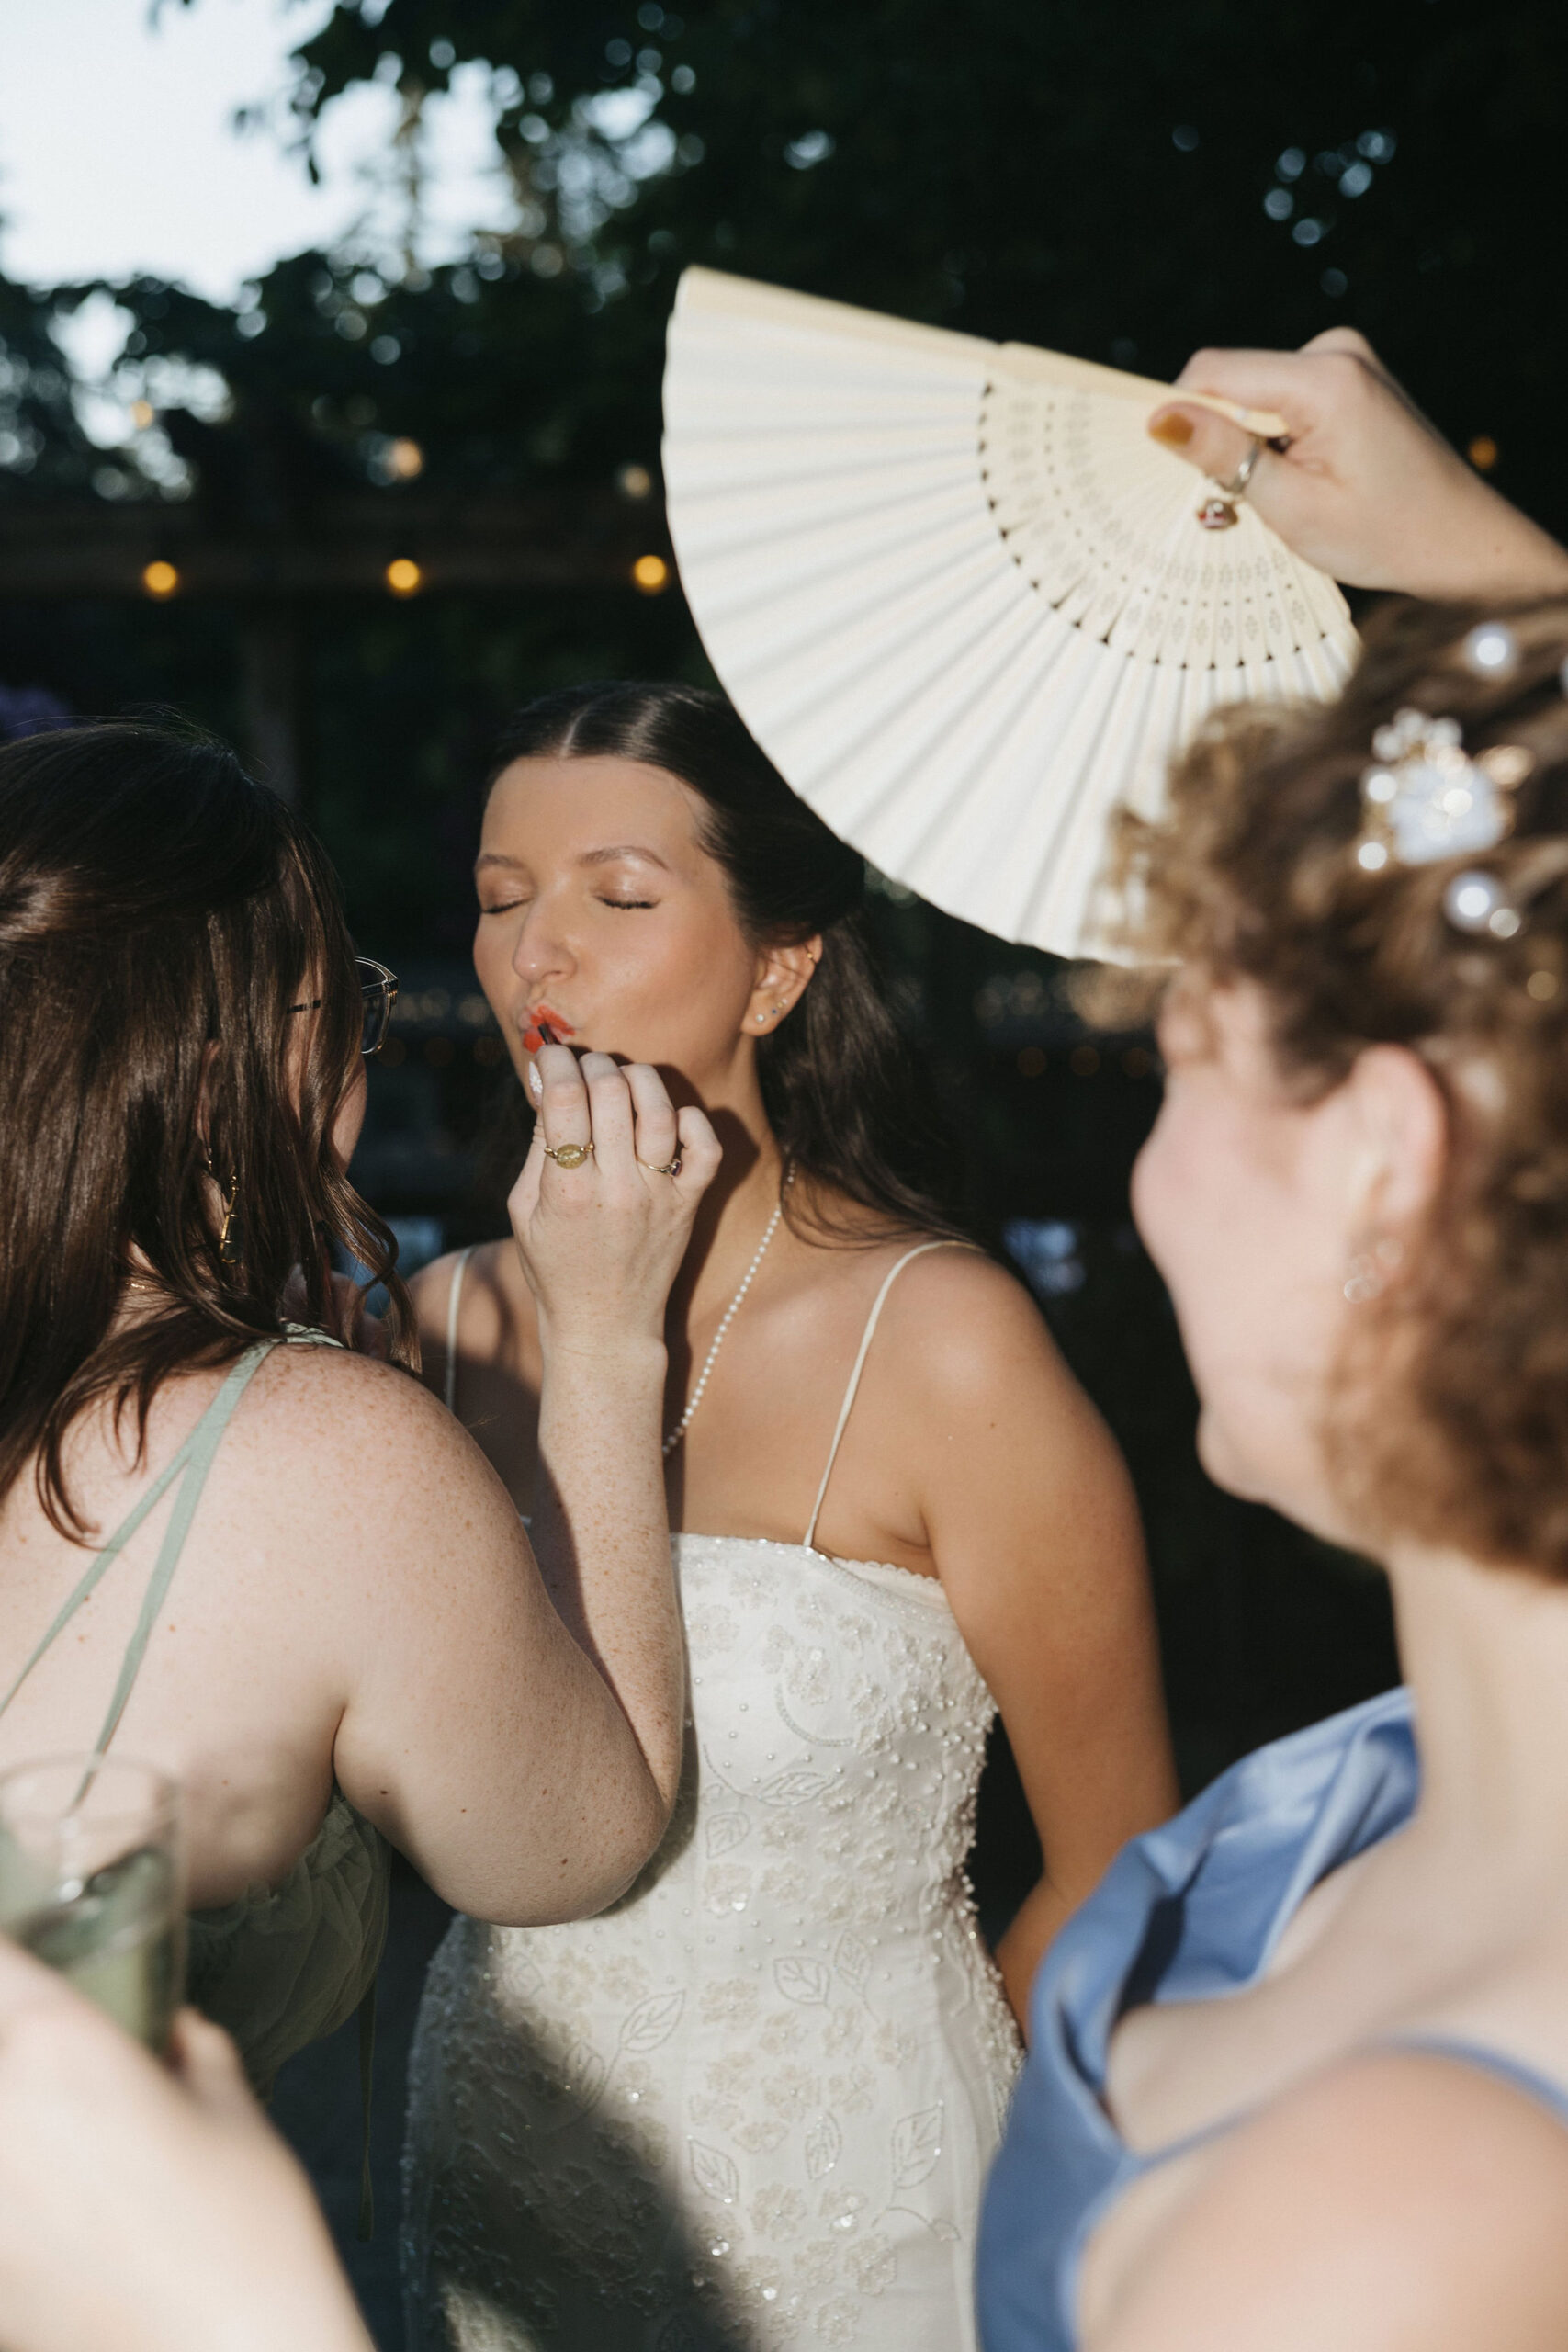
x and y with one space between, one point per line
160 914
844 1095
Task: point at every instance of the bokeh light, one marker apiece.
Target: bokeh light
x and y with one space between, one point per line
159 580
404 577
651 574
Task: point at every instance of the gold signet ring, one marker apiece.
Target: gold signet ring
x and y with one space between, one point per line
567 1155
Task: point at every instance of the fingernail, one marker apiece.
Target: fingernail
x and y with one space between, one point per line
534 1083
1171 427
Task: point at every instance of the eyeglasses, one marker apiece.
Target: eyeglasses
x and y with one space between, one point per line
377 994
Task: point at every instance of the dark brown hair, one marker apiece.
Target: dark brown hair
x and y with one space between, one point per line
160 914
1450 1415
843 1093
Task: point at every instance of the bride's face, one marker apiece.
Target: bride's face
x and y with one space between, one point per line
601 914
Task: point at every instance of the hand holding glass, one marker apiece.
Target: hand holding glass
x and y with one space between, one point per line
92 1882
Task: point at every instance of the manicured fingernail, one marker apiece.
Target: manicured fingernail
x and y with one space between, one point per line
532 1040
1171 427
534 1083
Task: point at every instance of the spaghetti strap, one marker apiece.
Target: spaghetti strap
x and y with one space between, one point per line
189 1469
850 1393
454 1294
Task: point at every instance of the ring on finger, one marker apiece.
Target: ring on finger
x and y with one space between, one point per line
669 1168
1237 486
569 1155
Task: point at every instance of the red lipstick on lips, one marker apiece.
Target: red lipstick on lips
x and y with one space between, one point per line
546 1028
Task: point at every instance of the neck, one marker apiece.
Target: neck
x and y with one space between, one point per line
738 1205
1485 1653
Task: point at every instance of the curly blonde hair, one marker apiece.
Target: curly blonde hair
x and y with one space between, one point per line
1449 1413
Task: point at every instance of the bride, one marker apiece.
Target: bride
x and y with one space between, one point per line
754 2104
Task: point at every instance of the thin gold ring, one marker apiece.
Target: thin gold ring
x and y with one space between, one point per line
670 1167
567 1155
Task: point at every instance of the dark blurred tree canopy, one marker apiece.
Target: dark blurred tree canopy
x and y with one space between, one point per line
1114 178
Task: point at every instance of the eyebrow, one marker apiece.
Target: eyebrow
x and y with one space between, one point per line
590 857
623 849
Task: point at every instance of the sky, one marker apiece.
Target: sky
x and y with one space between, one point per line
118 154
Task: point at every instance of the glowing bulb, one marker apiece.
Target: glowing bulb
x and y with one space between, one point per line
404 459
160 579
142 414
404 577
651 574
1483 453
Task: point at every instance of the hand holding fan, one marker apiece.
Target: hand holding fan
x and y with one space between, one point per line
960 599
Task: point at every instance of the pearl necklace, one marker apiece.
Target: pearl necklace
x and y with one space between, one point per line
672 1437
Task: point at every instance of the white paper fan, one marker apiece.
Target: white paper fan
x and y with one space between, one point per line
958 595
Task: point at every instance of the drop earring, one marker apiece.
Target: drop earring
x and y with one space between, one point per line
227 1253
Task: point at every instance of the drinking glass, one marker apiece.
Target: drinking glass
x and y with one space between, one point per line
91 1881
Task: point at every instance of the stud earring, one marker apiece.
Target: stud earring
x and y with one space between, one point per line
1367 1275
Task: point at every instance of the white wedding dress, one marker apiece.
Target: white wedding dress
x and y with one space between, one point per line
751 2107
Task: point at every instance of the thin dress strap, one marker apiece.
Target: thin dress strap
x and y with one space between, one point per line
189 1468
454 1294
867 1337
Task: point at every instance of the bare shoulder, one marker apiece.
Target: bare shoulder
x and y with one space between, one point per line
330 1408
1404 2198
964 1330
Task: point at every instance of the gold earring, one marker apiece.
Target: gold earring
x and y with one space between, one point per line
229 1257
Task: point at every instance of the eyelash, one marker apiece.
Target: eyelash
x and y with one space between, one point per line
624 905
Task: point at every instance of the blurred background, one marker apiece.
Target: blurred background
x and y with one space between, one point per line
330 351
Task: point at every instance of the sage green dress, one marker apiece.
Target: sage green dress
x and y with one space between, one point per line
280 1966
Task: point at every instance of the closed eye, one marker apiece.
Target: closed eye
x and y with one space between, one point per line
628 902
503 907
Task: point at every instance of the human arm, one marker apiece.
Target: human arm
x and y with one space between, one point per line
529 1773
1368 489
1034 1530
149 2208
1399 2203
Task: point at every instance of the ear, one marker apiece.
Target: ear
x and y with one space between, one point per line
1399 1136
783 974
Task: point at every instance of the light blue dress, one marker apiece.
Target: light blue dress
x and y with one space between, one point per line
1190 1912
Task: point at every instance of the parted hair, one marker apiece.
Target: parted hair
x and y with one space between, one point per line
1449 1419
842 1092
160 914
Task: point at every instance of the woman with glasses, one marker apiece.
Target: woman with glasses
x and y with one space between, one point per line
227 1544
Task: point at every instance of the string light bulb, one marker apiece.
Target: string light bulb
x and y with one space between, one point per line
404 577
159 580
651 574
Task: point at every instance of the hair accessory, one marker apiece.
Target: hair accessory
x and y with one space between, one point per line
1477 901
1423 798
1491 651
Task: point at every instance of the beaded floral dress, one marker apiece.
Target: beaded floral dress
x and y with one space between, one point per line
749 2109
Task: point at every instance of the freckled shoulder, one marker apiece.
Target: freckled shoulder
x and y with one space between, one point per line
341 1415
